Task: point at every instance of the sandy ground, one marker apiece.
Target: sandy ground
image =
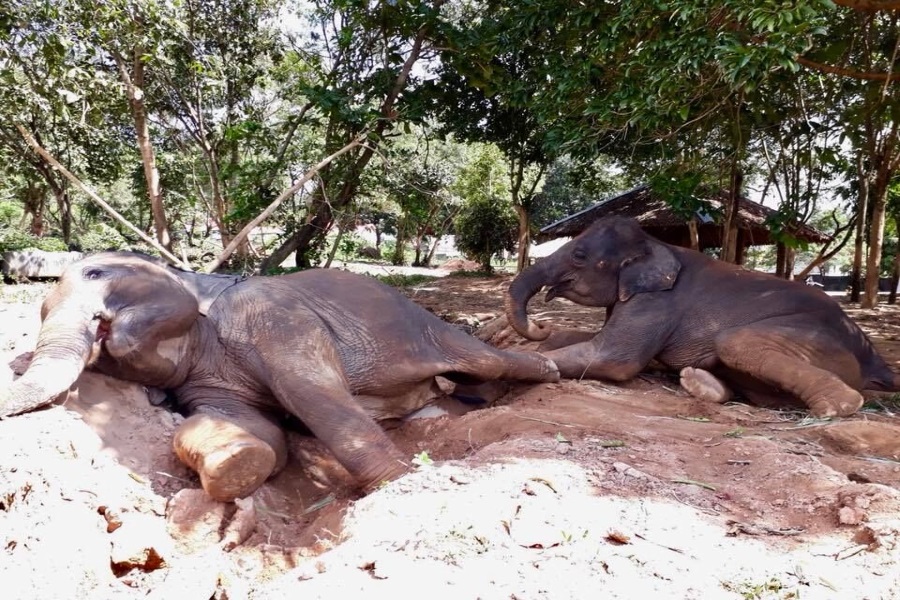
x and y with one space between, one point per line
567 490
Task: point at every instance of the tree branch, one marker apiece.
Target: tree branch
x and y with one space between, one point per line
869 5
93 195
275 203
891 76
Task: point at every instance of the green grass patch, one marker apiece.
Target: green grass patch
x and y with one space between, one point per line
400 280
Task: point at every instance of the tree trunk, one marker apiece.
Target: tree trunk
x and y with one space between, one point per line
861 211
826 254
876 240
432 250
65 214
694 234
417 242
730 227
789 256
398 257
895 276
334 248
34 206
524 238
780 259
134 85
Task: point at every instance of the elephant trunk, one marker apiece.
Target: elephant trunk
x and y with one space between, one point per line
63 348
524 286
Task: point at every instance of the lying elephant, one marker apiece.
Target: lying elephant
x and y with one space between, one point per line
338 351
721 325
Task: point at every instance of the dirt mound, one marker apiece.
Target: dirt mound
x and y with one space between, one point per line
638 490
460 264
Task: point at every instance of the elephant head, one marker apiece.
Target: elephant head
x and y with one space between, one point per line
609 262
109 306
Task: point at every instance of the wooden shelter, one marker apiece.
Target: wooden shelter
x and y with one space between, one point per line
659 220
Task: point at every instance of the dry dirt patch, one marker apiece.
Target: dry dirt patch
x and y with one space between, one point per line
557 491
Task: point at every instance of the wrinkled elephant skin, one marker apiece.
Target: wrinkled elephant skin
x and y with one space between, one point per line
338 351
725 328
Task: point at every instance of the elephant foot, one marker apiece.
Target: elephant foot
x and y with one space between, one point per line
237 470
231 462
704 385
836 404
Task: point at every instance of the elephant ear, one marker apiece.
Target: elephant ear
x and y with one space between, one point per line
206 288
652 271
148 308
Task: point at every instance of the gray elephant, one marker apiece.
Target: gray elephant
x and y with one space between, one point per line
338 351
724 327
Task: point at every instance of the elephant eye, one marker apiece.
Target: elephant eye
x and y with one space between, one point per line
579 254
93 273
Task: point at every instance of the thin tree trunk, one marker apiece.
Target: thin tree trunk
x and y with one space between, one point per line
825 254
780 259
398 257
417 246
730 227
524 238
432 250
895 275
861 211
64 203
789 257
34 205
876 241
134 86
334 248
694 234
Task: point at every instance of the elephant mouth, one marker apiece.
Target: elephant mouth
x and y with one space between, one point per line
103 328
555 291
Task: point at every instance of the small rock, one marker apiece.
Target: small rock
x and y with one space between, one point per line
563 448
113 518
140 543
849 515
195 520
242 524
629 471
460 479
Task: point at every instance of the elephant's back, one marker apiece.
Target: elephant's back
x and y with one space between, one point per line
356 309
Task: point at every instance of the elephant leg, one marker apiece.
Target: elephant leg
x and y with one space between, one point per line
467 359
565 337
808 365
323 402
704 385
233 451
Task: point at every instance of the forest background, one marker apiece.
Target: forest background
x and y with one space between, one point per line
178 127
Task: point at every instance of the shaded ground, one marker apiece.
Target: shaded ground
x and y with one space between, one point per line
557 491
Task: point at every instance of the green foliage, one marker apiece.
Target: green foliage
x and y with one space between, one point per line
683 190
485 228
399 280
348 246
100 238
483 177
13 239
572 185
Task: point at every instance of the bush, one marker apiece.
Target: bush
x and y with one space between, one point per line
484 229
101 237
401 280
12 240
